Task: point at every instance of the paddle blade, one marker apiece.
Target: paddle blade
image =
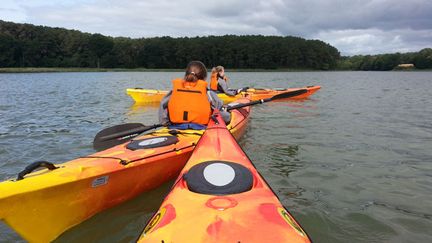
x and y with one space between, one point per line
289 94
125 133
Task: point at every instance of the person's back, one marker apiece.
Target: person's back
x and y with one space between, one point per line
189 102
218 82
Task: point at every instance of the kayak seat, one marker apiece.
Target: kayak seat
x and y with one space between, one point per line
186 126
218 178
152 142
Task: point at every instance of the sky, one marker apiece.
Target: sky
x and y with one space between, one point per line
352 26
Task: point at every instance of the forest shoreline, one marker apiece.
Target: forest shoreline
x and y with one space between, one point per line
66 70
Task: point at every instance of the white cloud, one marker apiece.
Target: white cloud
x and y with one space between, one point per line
11 11
375 41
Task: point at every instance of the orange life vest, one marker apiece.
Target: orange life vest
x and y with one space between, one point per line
189 102
214 82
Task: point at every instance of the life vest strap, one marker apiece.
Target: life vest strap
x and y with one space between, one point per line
189 91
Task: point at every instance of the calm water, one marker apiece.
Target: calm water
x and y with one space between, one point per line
353 163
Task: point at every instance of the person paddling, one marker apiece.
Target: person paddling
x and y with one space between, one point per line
189 104
219 82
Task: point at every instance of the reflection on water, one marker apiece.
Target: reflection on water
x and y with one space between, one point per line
144 113
144 107
123 223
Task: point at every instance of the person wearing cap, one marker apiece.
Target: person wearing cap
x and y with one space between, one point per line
189 104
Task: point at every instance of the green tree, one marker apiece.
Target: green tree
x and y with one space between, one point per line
8 51
423 59
100 46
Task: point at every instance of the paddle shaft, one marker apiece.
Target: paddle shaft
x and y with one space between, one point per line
146 128
130 132
247 104
276 97
115 138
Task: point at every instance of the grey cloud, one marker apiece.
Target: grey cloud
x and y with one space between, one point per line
351 26
340 15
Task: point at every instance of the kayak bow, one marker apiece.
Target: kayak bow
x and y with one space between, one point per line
220 197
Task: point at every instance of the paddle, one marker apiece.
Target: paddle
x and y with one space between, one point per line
119 134
111 136
276 97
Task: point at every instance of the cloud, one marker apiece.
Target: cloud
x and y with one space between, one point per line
10 11
352 26
376 41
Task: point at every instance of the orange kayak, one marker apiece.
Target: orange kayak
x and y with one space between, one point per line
45 203
140 95
220 197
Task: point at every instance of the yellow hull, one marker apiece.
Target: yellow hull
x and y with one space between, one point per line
155 96
48 202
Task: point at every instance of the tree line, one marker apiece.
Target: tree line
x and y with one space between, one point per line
26 45
386 62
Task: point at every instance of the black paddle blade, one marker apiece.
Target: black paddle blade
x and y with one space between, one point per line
289 94
126 132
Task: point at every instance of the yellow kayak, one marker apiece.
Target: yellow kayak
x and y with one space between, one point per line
140 95
41 205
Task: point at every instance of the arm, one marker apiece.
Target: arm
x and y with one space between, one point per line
225 89
163 109
217 103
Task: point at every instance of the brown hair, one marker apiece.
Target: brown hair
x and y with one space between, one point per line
217 69
195 71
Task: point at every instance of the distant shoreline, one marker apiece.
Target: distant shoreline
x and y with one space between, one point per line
60 70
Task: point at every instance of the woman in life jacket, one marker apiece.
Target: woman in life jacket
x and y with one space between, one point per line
189 104
219 82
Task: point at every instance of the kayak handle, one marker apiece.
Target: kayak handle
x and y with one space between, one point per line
33 166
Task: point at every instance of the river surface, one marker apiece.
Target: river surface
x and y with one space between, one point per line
353 163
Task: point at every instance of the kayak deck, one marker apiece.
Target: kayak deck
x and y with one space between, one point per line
220 197
154 96
48 202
